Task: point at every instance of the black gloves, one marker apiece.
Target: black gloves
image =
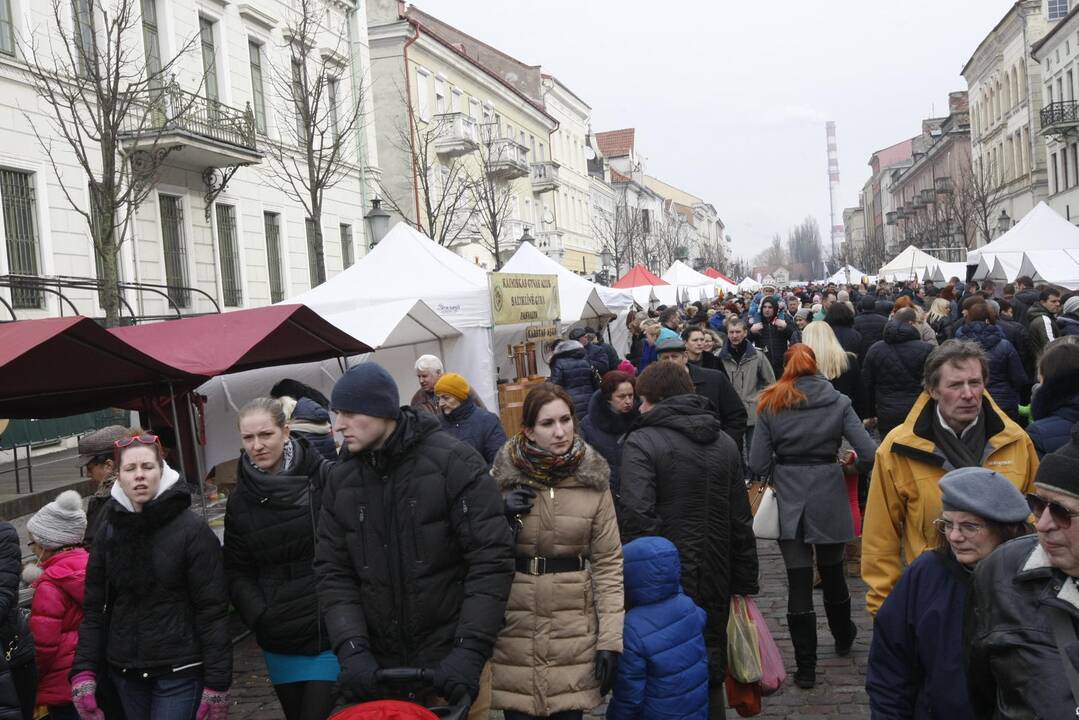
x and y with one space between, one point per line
519 501
459 674
606 669
357 681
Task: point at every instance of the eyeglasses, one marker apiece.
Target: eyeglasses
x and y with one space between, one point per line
967 529
1061 515
146 439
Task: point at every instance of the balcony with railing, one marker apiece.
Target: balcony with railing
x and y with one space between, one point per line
508 159
545 177
1060 117
458 134
207 132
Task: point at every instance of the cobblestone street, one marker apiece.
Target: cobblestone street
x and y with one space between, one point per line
840 687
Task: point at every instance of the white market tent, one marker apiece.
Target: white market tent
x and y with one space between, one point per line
407 297
692 285
750 284
944 271
1059 267
1041 229
582 301
907 265
998 268
846 275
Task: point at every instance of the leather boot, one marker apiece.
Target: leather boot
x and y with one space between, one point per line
803 627
854 558
843 628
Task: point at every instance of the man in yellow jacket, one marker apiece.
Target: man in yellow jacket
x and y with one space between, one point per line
953 424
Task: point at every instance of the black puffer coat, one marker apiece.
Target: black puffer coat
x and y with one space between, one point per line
478 428
571 369
10 570
682 480
270 525
1006 374
773 342
159 577
603 430
1055 411
848 337
414 552
870 325
312 421
892 374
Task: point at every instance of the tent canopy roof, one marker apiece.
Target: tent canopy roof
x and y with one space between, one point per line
64 366
211 345
681 274
578 297
638 276
407 265
911 261
394 324
1060 267
1041 230
847 271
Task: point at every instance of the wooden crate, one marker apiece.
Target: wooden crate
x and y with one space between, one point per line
511 399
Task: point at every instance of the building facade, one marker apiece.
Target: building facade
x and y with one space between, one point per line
705 232
932 205
880 238
1058 57
1006 93
853 235
216 231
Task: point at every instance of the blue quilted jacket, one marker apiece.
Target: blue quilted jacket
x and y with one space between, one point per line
663 672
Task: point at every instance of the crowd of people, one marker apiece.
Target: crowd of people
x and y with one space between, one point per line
927 436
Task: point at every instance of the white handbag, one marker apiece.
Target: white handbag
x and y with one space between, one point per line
766 521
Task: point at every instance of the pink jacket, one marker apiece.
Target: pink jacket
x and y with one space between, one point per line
55 616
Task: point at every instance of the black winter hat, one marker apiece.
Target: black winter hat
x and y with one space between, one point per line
367 389
1059 470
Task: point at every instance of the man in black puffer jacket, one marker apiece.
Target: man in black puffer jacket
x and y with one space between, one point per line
870 324
682 480
572 370
414 558
892 372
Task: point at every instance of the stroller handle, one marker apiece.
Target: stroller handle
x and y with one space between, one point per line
402 675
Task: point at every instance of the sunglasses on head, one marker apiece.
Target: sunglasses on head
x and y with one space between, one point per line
146 439
1061 515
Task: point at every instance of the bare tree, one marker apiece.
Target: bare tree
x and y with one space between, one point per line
772 256
980 190
111 99
804 247
491 191
443 185
621 232
317 146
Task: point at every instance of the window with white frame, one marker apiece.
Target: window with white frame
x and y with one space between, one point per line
1057 9
331 99
474 108
456 97
440 96
83 25
271 223
151 38
258 85
209 58
346 245
423 97
7 28
175 249
20 233
228 249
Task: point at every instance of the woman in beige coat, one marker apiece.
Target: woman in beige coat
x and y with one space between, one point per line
558 652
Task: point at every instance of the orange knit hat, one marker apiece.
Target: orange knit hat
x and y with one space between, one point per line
454 385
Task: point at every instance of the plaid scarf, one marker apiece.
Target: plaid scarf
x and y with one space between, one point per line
542 466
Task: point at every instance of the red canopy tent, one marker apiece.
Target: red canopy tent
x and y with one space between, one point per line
717 275
56 367
638 276
210 345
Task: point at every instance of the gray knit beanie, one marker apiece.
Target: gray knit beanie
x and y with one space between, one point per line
60 523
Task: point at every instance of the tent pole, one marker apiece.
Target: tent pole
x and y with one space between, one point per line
176 429
198 459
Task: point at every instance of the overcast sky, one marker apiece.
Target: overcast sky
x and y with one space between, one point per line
729 99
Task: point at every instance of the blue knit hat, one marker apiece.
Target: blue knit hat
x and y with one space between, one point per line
984 493
367 389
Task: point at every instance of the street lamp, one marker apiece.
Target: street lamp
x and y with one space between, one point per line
378 221
526 237
1004 223
605 259
681 253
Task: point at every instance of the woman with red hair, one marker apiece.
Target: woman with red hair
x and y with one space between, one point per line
801 422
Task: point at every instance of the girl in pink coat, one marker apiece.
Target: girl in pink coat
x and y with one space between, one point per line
59 579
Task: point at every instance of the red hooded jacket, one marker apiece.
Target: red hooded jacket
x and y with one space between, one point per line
55 616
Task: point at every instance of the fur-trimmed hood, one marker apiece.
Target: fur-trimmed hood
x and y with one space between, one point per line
593 472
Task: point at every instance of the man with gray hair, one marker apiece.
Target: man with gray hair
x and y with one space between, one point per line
428 370
953 424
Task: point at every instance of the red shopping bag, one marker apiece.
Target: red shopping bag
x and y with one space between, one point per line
385 710
745 698
773 674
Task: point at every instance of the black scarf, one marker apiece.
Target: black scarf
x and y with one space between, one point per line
965 451
737 351
130 546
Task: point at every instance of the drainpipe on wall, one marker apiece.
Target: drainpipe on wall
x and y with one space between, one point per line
412 124
1030 119
357 96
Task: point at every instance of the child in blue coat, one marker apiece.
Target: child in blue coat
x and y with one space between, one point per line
663 672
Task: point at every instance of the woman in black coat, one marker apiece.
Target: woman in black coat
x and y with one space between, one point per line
841 317
611 412
571 370
270 524
156 602
18 685
773 335
478 428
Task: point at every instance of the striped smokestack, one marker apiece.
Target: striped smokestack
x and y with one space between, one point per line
833 187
